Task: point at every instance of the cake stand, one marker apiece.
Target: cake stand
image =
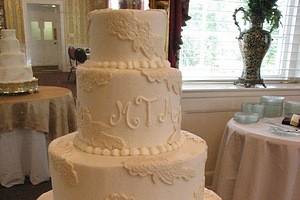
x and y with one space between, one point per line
208 195
19 88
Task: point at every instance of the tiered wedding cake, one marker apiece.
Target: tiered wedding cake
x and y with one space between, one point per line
15 75
129 145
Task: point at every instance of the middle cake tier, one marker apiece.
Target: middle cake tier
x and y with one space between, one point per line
140 110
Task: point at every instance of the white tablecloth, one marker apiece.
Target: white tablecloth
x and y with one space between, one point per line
23 153
256 164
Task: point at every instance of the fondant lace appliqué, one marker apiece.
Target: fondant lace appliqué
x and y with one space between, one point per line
126 26
62 165
90 79
94 131
172 81
117 196
159 169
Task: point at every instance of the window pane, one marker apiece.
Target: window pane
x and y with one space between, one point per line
114 4
35 30
210 49
48 31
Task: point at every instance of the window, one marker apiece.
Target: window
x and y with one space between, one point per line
210 50
48 31
35 30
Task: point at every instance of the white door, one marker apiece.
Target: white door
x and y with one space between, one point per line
44 34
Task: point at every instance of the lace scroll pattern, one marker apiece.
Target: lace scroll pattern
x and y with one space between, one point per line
126 26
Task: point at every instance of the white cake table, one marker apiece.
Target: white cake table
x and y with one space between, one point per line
208 195
256 162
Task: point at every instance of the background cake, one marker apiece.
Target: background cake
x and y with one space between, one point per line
129 145
15 75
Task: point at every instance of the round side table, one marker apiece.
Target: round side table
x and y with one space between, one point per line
27 124
256 161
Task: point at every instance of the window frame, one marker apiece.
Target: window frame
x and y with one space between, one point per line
292 74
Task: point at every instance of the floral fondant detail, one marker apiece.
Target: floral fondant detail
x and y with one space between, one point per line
63 165
90 79
159 169
94 131
126 26
117 196
172 80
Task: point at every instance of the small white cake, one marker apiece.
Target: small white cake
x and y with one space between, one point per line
13 67
15 75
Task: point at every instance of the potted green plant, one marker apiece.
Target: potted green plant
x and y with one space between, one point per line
255 41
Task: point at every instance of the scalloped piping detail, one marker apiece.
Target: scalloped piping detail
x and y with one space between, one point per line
134 151
193 137
135 64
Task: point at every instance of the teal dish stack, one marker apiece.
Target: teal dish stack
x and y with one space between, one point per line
253 108
246 118
291 107
273 106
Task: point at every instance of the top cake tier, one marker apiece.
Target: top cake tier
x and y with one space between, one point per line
9 43
127 35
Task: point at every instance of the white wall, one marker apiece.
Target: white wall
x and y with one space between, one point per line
207 110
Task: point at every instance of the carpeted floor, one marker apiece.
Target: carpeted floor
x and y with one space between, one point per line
57 78
25 191
28 191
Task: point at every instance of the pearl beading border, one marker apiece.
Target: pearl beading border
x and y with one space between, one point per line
136 64
134 151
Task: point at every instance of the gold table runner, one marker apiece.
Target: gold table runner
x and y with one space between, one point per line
51 110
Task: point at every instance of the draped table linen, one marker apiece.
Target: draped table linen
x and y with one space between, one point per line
254 163
23 153
27 124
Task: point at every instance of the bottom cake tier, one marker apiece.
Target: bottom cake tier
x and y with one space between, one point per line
208 195
15 74
174 175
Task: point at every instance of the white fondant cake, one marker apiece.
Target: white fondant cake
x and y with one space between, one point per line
129 145
13 66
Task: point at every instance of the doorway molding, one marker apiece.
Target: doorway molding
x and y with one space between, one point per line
63 57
